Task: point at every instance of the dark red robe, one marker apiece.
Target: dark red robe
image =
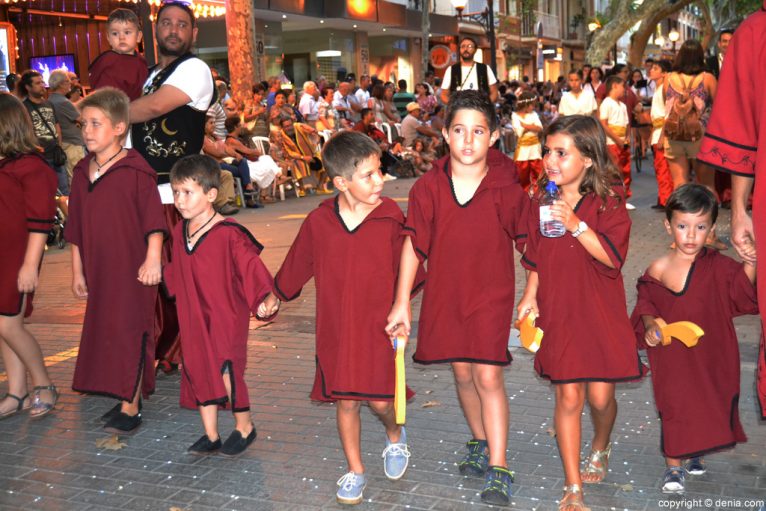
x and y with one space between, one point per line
125 72
110 221
217 284
583 314
355 274
468 301
736 144
696 390
27 204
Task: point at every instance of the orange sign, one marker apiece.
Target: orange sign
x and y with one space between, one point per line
440 56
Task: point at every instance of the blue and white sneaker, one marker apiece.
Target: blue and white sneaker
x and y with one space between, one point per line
396 457
674 481
696 467
351 488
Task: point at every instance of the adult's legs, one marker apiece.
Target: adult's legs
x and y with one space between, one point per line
680 170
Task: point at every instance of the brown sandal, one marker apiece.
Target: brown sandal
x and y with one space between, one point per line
572 499
598 463
19 408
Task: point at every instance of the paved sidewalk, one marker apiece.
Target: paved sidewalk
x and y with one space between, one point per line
55 463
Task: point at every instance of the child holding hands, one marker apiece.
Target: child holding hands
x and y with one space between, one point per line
351 246
464 216
575 287
696 390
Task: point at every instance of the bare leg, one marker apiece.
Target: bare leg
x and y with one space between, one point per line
673 462
17 376
679 171
350 432
469 398
131 407
603 411
209 416
243 420
385 412
570 399
706 177
490 386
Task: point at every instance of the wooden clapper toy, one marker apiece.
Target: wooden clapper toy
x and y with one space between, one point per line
685 331
400 392
531 336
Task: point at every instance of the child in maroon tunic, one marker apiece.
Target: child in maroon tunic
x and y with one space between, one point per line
696 390
351 246
464 215
122 66
116 228
218 279
575 286
27 207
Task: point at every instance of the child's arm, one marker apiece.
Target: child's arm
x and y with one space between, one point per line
561 210
79 286
400 317
528 302
750 271
27 279
531 127
652 334
150 273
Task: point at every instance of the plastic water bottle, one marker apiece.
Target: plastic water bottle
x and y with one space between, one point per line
549 227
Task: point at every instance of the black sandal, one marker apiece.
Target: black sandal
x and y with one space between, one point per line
38 404
19 408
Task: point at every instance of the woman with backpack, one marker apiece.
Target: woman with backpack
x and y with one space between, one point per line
689 92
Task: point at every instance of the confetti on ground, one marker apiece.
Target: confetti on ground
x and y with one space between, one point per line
431 404
111 444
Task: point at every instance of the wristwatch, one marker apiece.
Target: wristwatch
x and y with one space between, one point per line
581 228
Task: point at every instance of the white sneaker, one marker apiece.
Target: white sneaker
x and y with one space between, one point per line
388 177
629 206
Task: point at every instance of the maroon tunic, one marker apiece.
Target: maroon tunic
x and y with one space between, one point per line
217 284
355 274
696 390
27 191
125 72
469 293
110 221
736 143
583 313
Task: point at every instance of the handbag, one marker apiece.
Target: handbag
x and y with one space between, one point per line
57 153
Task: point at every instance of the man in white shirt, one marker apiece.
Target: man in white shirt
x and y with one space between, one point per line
577 101
308 106
362 94
469 74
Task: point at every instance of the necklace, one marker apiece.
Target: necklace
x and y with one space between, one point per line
100 166
190 236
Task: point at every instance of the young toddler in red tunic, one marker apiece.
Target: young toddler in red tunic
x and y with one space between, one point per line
696 390
351 246
464 216
121 67
218 279
116 228
575 287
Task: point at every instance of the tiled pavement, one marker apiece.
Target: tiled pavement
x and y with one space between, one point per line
55 463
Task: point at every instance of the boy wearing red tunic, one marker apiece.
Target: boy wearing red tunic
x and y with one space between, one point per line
116 228
218 279
696 390
351 246
613 115
121 67
464 216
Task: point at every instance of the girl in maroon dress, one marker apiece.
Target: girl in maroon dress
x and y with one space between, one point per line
27 207
576 281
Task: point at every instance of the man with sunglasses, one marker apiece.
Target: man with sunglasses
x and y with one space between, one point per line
468 74
169 119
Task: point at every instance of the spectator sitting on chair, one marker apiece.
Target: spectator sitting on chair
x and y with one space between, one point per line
217 149
388 161
412 127
263 169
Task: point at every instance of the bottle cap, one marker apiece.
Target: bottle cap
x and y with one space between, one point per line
551 187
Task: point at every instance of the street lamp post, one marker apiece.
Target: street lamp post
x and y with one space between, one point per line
487 20
673 35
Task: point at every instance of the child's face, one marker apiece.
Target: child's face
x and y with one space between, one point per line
366 184
690 231
98 131
123 37
564 164
209 126
574 82
191 200
469 137
618 89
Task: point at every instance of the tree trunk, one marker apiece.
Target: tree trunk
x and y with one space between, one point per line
622 17
240 36
646 29
707 25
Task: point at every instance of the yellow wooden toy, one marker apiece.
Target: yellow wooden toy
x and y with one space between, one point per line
685 331
400 392
531 336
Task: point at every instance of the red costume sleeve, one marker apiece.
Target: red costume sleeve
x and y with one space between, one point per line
613 231
298 266
514 215
529 259
644 307
420 217
742 292
150 206
730 145
39 184
255 277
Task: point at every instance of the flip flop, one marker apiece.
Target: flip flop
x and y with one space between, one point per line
19 408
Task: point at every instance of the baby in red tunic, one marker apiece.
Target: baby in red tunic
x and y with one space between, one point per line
696 390
121 67
218 279
351 246
464 216
575 287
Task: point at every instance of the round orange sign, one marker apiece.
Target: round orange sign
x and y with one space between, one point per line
440 56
